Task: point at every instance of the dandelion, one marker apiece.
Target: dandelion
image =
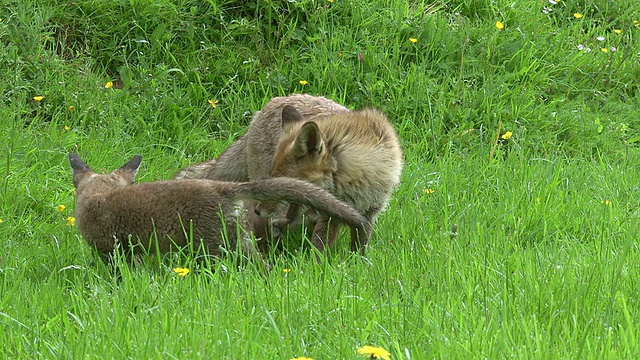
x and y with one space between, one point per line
605 202
429 191
108 85
72 108
577 15
71 221
330 2
636 23
617 31
38 98
60 207
67 128
605 50
507 135
303 82
538 201
305 358
413 40
182 272
499 25
213 103
286 271
374 352
1 221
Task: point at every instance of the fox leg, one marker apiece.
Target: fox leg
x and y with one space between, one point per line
263 230
360 235
325 233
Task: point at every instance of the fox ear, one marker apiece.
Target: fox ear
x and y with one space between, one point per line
290 115
78 168
309 141
77 163
132 166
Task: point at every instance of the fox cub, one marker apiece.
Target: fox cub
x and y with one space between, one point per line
354 155
110 209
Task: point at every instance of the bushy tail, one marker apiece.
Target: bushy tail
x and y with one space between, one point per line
301 192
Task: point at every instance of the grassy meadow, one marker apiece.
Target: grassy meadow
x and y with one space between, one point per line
514 233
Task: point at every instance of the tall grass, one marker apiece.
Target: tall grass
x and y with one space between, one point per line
492 247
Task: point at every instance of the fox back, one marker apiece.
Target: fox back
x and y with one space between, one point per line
110 209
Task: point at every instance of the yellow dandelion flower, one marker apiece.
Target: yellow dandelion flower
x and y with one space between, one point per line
72 108
1 221
60 207
413 40
330 2
507 135
499 25
71 221
213 103
429 191
617 31
181 271
38 98
108 85
605 50
67 128
605 202
305 358
538 201
374 352
577 15
303 82
286 271
636 23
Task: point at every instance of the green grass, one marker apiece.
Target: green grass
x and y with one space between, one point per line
545 260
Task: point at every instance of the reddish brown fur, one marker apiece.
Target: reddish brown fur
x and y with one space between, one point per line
356 156
110 209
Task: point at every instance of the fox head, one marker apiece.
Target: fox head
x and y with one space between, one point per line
302 151
86 180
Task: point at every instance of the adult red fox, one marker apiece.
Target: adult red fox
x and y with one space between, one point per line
354 155
110 209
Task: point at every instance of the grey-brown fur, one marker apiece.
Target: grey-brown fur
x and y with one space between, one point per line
110 207
354 155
